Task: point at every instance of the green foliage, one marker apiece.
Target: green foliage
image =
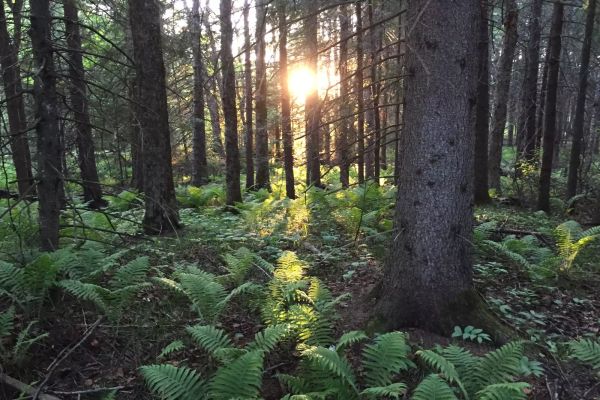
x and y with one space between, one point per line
471 333
586 351
22 341
171 348
434 388
174 383
207 195
240 379
385 357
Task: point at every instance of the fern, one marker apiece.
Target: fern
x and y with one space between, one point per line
132 273
210 338
439 363
24 342
172 347
240 379
174 383
433 388
205 293
586 351
499 366
267 339
350 338
503 391
87 291
6 323
384 358
395 390
331 362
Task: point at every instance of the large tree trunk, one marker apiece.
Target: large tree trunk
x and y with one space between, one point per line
286 120
86 153
312 104
262 135
248 95
232 152
502 93
375 89
341 144
200 164
553 61
527 131
482 114
49 149
360 135
577 145
428 277
15 107
161 208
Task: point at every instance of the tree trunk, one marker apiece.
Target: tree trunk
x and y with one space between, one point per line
286 120
502 94
482 130
428 277
49 150
553 61
359 96
86 153
211 100
342 144
539 124
15 107
375 92
312 104
262 135
527 130
160 205
577 145
248 94
232 153
200 165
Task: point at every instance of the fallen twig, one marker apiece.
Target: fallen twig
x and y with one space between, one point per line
25 388
90 391
66 352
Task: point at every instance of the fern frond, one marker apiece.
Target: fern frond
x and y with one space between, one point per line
209 338
205 293
498 366
595 231
172 347
12 278
7 322
267 339
586 351
174 383
433 388
503 251
240 379
24 342
395 390
504 391
87 291
132 273
331 362
384 358
439 363
350 338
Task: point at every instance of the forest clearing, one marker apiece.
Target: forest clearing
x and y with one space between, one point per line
299 199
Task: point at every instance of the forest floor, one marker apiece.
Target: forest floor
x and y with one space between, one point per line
342 237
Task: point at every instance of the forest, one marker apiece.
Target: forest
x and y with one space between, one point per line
300 199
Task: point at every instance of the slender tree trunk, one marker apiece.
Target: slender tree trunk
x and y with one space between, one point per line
312 104
577 145
375 92
482 118
159 190
212 102
502 94
553 61
86 153
49 149
539 124
248 89
200 166
262 135
341 145
232 153
529 99
286 120
428 276
15 107
359 95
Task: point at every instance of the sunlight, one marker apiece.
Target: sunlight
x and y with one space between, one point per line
301 82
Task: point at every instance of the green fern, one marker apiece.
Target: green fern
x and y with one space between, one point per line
331 362
384 358
132 273
210 338
6 323
88 292
586 351
240 379
395 390
504 391
174 383
434 388
350 338
267 339
171 348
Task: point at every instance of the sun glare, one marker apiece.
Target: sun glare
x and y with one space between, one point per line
301 82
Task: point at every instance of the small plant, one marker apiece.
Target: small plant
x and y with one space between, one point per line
586 351
18 352
471 333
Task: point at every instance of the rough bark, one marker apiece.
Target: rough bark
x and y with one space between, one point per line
286 120
262 135
86 153
502 93
49 149
212 102
232 152
577 143
312 104
248 94
341 144
553 61
375 89
160 205
200 164
482 130
429 273
527 132
360 130
15 107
